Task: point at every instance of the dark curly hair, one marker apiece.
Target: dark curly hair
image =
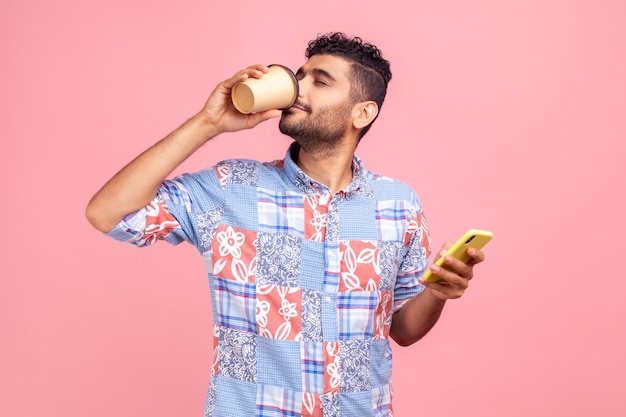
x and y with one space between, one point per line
369 73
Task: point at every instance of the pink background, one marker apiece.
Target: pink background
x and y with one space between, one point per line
504 115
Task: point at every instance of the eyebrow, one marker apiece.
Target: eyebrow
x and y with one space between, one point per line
317 71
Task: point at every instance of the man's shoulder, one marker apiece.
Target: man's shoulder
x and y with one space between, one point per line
382 182
246 171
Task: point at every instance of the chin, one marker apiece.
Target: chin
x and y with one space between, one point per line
286 115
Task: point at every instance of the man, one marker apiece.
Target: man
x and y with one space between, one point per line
313 261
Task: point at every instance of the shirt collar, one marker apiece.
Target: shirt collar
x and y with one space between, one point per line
358 186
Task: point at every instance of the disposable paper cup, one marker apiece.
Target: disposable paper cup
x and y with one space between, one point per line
278 89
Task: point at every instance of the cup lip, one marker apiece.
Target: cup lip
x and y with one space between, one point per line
295 83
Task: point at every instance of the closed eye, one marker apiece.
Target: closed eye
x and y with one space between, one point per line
322 77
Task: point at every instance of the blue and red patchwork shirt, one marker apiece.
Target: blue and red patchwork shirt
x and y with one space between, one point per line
303 282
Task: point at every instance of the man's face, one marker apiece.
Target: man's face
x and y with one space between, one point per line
321 114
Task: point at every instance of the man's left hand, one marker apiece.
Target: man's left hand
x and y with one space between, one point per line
453 284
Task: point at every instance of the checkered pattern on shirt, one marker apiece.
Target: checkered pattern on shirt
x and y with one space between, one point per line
303 283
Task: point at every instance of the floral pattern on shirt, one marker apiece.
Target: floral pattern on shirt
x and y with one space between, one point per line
159 222
278 312
237 355
237 172
312 405
391 254
354 365
234 254
332 371
279 259
383 315
209 404
311 315
316 216
360 266
330 404
423 235
207 223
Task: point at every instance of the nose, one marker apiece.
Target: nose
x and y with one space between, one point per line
301 87
305 82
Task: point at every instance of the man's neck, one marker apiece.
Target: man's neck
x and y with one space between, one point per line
334 170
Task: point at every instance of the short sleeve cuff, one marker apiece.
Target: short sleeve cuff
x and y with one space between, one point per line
406 296
127 229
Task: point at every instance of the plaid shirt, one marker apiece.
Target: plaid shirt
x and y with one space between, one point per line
303 282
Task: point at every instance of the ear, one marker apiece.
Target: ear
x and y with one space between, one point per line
364 113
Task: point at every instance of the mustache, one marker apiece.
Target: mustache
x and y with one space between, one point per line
303 106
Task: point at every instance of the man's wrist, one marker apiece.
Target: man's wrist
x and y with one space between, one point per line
205 124
435 296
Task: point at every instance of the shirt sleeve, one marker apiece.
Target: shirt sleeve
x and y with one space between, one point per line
172 214
154 222
416 259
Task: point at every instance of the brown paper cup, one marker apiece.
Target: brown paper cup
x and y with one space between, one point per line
278 89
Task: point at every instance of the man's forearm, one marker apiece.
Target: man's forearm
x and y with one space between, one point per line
416 317
135 185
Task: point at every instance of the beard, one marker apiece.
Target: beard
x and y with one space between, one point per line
318 133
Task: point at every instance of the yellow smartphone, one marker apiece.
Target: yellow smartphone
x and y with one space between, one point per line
473 238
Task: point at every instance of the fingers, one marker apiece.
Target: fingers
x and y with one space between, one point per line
454 273
253 71
256 118
464 270
454 276
450 285
477 256
444 249
220 110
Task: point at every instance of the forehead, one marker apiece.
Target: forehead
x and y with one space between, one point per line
336 66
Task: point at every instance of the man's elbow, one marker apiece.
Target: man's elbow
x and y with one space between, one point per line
403 339
97 218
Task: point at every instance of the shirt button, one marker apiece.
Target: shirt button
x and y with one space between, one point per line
328 299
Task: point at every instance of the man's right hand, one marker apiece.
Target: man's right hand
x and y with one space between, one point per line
220 112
